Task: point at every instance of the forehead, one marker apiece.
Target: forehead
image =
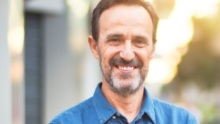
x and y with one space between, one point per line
134 17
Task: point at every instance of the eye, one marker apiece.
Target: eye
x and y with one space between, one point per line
140 43
115 41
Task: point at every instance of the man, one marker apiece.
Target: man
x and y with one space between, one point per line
123 40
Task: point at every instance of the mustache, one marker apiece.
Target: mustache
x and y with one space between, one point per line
120 61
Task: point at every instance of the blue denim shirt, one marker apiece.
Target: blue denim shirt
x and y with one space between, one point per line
97 110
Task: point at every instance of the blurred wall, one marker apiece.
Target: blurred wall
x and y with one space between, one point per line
60 85
68 66
5 82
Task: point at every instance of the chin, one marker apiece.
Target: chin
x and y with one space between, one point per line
126 84
126 87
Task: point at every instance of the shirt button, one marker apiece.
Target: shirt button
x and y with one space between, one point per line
114 117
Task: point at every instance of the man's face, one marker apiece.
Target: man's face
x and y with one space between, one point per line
125 47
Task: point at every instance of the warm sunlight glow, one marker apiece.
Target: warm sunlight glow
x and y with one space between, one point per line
174 34
151 1
16 40
202 8
79 7
161 71
15 37
78 10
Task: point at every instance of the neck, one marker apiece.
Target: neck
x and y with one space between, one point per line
128 106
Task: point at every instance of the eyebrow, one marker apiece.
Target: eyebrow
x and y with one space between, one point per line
141 37
114 36
119 35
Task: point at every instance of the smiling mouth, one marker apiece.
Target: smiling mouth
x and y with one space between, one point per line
125 68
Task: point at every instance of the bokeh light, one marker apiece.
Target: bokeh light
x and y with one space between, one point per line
174 34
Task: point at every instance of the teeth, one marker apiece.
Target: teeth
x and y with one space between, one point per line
126 68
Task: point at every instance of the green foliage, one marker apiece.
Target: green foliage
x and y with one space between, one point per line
201 64
209 114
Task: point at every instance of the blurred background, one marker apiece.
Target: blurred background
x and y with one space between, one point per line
46 65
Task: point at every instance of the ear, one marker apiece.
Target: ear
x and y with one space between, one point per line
93 46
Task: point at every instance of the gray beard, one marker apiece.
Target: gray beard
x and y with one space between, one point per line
113 81
124 91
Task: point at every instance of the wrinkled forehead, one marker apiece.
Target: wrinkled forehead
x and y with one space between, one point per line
126 11
133 17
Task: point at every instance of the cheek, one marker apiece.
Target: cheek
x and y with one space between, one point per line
105 62
108 53
104 58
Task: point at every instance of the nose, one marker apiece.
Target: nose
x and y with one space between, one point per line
127 52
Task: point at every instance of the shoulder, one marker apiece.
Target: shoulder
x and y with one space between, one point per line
173 113
165 106
74 114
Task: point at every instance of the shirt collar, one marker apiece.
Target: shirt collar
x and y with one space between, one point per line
148 106
105 111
